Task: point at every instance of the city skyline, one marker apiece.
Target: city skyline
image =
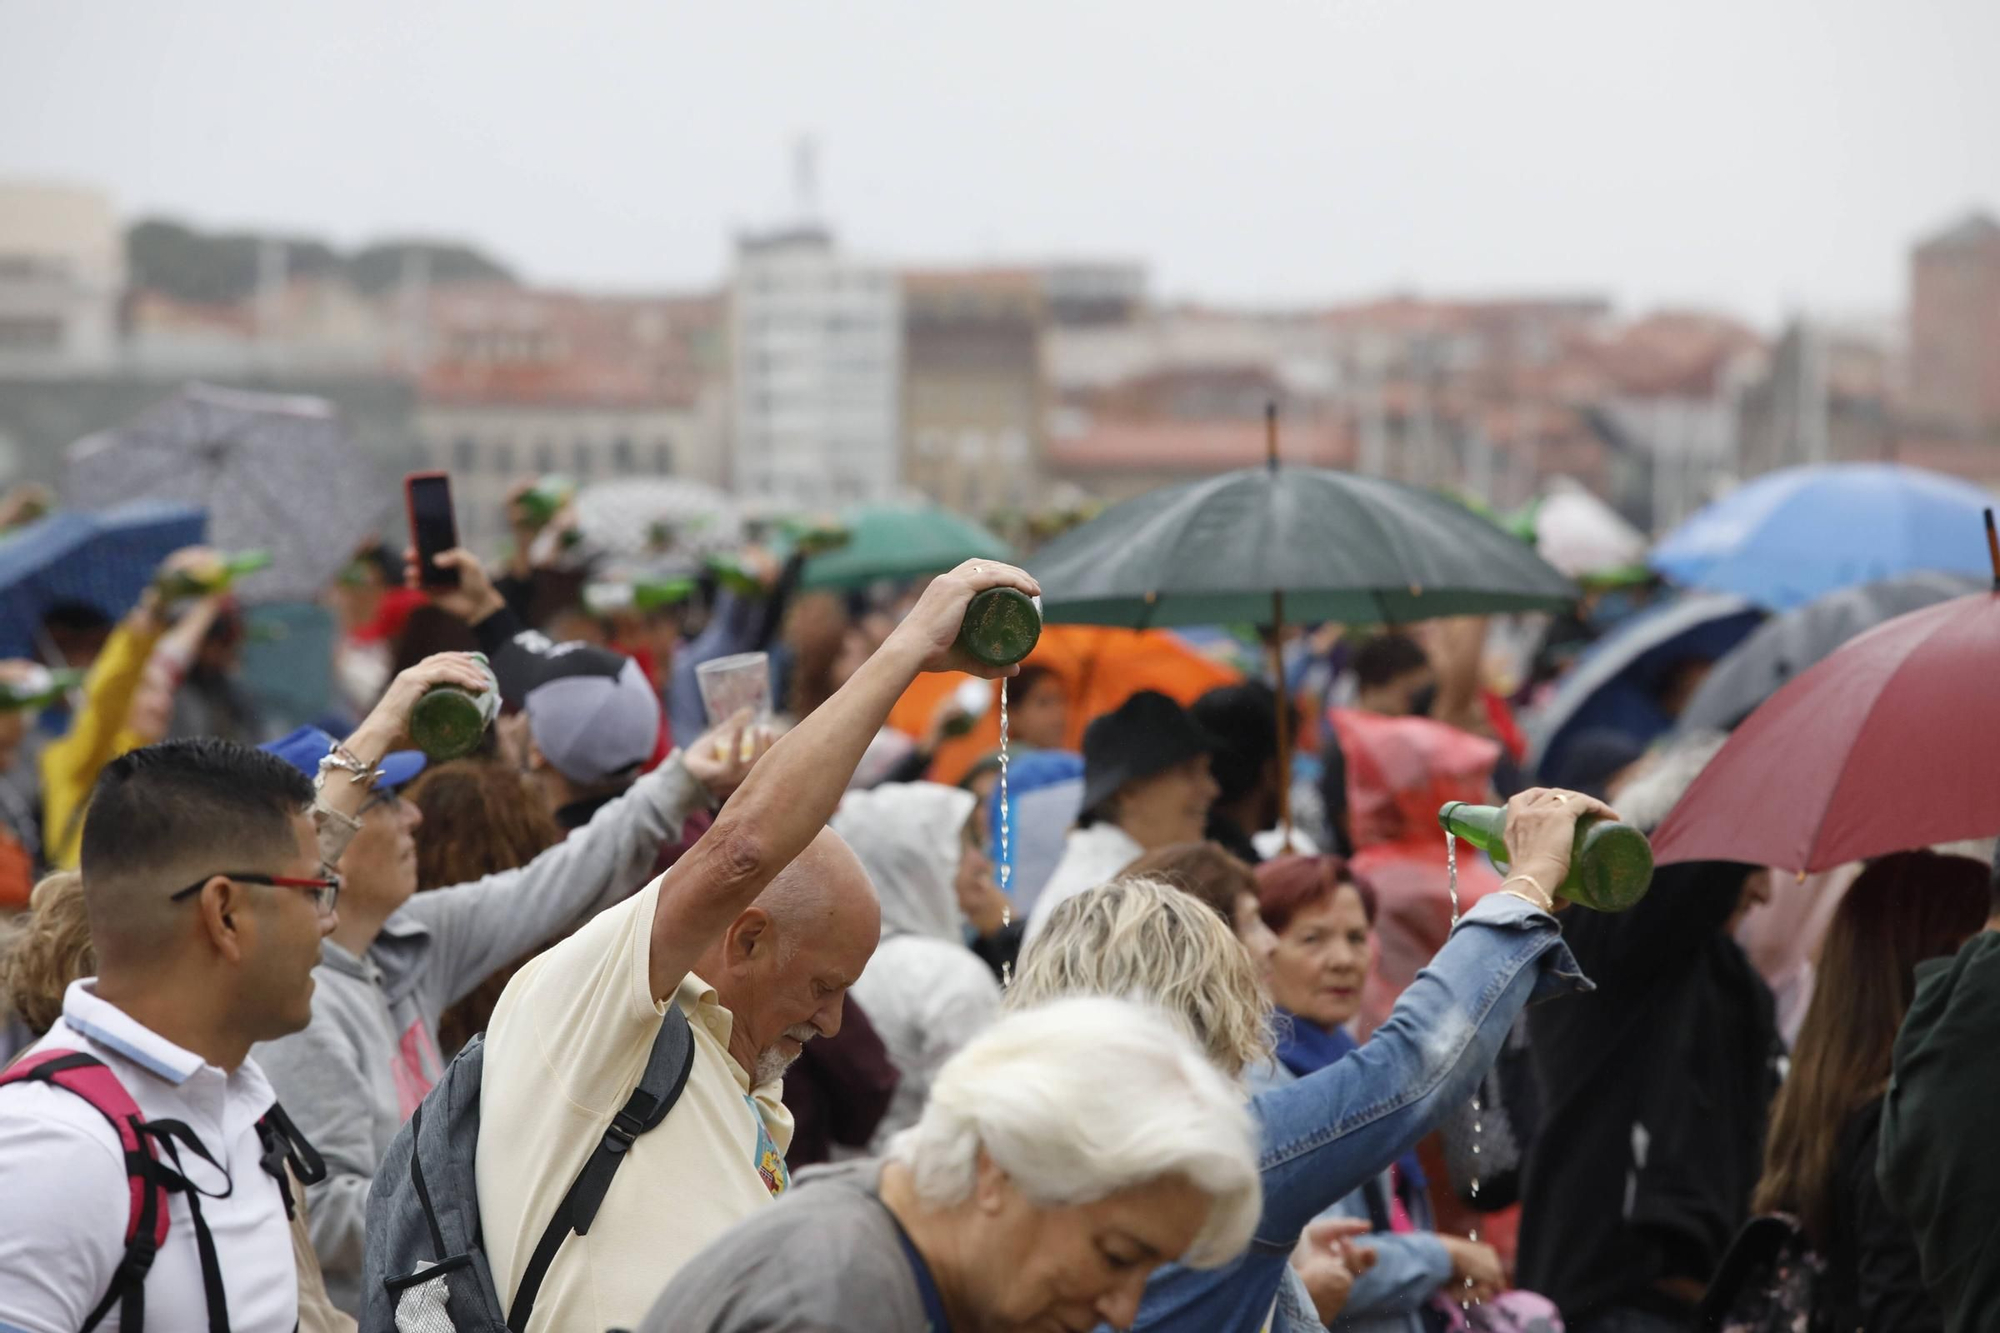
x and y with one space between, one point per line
1443 149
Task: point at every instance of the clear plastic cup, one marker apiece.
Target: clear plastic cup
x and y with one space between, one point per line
731 684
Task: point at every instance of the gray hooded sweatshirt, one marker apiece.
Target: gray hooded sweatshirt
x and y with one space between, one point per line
359 1069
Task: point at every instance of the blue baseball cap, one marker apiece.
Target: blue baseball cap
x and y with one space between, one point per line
304 748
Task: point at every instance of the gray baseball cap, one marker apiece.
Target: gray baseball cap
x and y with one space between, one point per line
592 712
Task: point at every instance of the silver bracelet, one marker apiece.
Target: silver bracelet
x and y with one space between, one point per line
340 758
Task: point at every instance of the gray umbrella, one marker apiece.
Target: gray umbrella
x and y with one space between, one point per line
1781 648
275 473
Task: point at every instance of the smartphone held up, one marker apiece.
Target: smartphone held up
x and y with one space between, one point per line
433 526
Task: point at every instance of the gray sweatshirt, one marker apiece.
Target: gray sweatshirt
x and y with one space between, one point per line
359 1069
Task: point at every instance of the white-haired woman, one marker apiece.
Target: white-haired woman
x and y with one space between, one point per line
1328 1133
925 992
1065 1154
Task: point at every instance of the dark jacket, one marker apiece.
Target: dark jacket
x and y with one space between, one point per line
1872 1276
1653 1095
838 1090
1939 1163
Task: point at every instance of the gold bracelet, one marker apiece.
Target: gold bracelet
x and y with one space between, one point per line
1543 901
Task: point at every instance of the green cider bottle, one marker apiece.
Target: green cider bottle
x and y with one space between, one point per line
1610 864
1001 626
449 722
38 688
737 577
184 583
541 502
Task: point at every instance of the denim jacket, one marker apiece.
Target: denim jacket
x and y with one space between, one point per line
1328 1133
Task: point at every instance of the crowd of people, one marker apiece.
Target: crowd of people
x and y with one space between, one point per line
641 1019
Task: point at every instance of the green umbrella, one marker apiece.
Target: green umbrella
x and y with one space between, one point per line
900 542
1259 544
1336 545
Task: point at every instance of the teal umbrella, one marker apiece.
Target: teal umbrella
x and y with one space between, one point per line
901 542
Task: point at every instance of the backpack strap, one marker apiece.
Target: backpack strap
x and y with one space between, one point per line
284 1146
86 1076
660 1086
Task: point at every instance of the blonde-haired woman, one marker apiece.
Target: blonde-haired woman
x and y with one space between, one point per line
49 949
1325 1135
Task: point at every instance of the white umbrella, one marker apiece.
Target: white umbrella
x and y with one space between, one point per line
276 473
623 518
1581 535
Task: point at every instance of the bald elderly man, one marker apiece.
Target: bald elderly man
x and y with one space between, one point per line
756 934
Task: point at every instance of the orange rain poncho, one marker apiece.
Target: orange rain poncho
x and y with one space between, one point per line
1102 668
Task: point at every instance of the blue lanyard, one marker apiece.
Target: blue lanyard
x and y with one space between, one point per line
920 1273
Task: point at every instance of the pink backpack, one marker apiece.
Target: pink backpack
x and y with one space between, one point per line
151 1181
146 1223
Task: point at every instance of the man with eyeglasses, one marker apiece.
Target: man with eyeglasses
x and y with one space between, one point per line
207 904
398 959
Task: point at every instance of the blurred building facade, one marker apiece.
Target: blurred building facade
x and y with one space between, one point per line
975 398
814 380
1955 331
62 276
816 359
517 382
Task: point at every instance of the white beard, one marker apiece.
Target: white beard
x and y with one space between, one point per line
772 1064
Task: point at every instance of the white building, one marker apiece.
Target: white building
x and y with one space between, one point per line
62 272
817 342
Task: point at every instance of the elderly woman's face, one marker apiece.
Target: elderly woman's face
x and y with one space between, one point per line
1052 1270
1322 959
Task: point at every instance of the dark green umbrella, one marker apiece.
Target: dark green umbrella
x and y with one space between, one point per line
1259 545
1337 546
900 542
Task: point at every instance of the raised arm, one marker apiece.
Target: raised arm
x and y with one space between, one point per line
482 925
1335 1129
788 797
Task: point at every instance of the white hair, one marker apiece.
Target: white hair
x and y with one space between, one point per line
1081 1098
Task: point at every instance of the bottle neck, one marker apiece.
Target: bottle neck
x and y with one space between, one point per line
1484 826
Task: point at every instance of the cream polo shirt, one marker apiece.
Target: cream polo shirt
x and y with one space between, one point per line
565 1048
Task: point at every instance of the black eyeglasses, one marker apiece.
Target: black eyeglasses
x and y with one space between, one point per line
325 891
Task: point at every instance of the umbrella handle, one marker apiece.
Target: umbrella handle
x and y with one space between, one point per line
1993 549
1284 719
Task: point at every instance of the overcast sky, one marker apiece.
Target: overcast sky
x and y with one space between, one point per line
1760 155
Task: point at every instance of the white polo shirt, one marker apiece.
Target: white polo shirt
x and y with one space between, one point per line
64 1201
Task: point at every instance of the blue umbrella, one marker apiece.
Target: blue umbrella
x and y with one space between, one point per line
1615 688
103 560
1793 536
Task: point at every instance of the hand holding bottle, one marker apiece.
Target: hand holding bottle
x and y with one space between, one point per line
929 635
1541 831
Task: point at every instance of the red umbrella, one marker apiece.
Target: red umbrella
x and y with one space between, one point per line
1890 743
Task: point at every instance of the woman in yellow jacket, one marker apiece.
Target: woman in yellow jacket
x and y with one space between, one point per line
142 664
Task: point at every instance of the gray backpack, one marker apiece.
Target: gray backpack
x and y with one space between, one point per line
426 1269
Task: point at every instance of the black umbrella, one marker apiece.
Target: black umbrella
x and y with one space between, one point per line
1783 647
